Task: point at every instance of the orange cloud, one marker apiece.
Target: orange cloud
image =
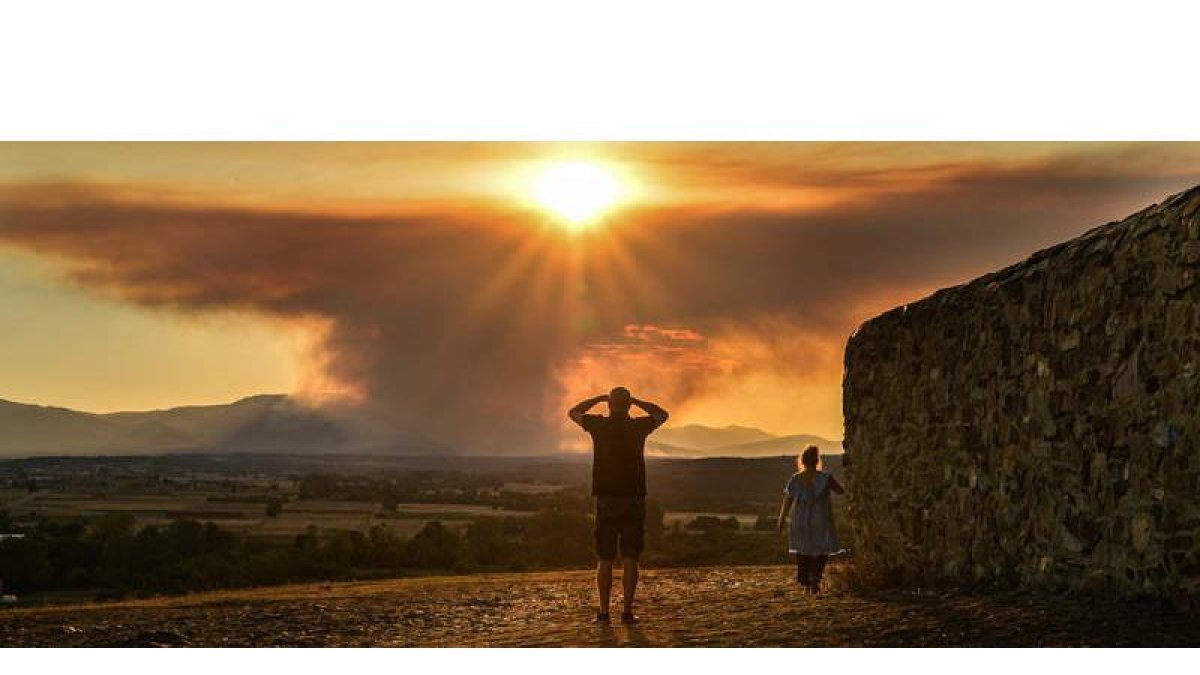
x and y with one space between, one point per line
470 323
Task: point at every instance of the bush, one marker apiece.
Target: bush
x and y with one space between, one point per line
766 522
862 576
718 546
712 523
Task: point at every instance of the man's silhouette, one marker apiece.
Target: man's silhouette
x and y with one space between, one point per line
619 486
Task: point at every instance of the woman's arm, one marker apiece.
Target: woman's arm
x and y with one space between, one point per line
835 485
783 511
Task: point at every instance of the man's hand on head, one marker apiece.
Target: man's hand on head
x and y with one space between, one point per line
576 413
655 412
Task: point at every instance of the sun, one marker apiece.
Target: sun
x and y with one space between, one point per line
577 192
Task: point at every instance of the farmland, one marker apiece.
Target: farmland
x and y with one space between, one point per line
117 527
246 517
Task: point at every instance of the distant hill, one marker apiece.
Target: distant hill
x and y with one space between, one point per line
257 424
696 440
700 437
275 423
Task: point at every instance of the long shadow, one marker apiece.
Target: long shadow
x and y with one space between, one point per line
622 636
637 637
608 636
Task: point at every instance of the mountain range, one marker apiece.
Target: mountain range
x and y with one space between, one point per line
275 423
266 423
695 440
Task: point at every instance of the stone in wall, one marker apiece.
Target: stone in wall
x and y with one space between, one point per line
1039 426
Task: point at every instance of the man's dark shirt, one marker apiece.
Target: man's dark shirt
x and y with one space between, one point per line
619 461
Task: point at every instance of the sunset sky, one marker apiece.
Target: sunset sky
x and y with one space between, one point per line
471 292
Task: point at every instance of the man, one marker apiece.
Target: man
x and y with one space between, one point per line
619 486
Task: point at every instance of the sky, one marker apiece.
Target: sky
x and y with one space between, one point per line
442 286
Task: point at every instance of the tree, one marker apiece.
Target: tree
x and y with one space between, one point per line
384 548
487 544
112 527
434 547
345 549
25 563
556 538
308 540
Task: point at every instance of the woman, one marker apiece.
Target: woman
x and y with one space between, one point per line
811 537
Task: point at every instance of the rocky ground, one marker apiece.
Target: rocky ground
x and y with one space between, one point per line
745 606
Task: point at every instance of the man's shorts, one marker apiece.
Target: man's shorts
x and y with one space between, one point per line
620 526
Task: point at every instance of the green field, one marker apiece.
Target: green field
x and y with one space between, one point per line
248 517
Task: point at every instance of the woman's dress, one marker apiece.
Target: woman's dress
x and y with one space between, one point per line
812 516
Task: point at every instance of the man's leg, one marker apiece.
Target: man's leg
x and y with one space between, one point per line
606 550
629 581
604 584
633 540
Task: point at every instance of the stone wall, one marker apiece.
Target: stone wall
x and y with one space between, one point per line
1040 425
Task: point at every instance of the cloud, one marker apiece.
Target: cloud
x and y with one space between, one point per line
474 324
670 365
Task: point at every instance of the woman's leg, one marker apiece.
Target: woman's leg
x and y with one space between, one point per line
802 567
818 570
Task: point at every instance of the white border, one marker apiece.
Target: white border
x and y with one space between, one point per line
589 661
619 69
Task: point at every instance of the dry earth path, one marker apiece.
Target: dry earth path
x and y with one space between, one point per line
719 606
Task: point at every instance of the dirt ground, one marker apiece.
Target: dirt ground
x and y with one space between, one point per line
735 607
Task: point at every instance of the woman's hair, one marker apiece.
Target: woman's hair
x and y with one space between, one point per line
811 457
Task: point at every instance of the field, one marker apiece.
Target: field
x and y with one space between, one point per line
250 517
246 517
121 527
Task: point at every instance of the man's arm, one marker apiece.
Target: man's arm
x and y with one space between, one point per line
657 414
576 414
